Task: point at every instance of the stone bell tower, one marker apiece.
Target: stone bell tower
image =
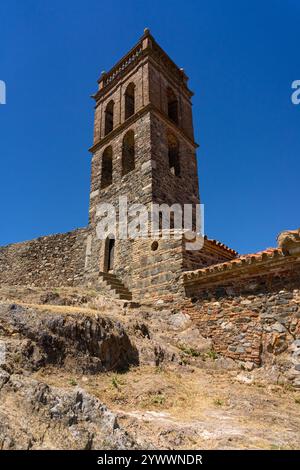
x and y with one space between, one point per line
143 149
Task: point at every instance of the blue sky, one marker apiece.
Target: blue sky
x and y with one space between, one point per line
241 58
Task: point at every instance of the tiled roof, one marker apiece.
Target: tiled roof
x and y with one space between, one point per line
241 261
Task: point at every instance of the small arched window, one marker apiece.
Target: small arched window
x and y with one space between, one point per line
129 100
109 118
128 153
106 174
173 155
172 105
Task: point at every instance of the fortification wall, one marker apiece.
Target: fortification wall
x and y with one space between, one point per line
55 260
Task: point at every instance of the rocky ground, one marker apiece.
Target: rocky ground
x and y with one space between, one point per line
79 371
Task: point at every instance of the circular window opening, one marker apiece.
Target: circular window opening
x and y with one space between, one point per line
154 246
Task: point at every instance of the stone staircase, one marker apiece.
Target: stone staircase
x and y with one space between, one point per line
115 286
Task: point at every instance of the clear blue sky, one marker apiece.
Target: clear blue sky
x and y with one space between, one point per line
241 57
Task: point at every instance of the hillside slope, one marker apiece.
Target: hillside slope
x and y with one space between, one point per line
79 371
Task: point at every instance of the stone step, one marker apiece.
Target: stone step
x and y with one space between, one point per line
111 279
125 296
113 282
115 285
109 276
120 292
121 295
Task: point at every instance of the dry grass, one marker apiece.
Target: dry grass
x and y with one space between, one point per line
210 408
93 303
210 402
66 309
185 395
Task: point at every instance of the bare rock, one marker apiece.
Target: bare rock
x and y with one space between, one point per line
289 242
179 320
56 419
192 339
4 377
244 378
80 342
249 366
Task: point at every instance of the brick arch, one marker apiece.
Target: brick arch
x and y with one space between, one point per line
107 167
172 105
173 154
129 100
109 117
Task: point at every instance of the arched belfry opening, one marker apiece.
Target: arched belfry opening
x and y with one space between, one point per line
109 255
173 155
128 153
172 105
109 117
107 168
129 100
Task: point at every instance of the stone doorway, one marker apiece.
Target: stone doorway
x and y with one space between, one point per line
109 254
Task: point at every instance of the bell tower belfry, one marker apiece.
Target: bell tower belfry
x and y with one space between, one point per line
143 149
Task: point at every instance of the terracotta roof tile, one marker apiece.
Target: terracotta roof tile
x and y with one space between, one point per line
242 260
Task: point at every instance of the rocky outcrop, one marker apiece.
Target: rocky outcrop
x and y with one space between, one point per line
36 416
81 342
67 381
48 339
289 242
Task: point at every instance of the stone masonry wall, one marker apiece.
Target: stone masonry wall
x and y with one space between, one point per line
156 271
254 319
157 264
136 186
55 260
168 188
159 81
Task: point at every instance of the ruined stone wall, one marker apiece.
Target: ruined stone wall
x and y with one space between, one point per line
55 260
254 318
